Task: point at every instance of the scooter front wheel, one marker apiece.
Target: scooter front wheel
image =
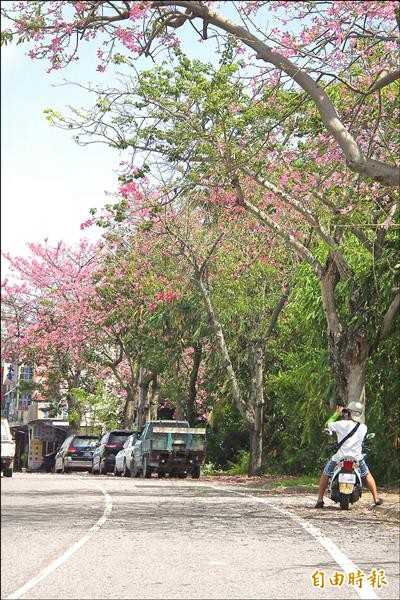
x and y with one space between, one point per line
344 501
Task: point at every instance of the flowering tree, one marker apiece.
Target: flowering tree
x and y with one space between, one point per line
198 128
315 152
52 332
16 314
173 236
307 45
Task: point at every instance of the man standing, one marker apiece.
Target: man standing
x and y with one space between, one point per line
352 446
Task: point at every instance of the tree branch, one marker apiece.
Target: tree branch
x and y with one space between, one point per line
359 163
287 237
384 78
388 319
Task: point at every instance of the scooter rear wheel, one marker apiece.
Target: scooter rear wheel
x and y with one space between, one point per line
344 501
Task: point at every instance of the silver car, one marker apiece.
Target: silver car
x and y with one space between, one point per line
124 458
76 454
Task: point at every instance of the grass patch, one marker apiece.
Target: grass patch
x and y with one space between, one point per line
302 480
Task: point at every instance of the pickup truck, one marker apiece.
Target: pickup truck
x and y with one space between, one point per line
7 449
169 447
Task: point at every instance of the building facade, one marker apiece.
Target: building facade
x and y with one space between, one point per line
35 433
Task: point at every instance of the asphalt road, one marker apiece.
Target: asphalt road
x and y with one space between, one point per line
79 536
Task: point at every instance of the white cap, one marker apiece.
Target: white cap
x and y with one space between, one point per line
356 409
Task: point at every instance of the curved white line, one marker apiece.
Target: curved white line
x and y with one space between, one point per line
366 592
68 553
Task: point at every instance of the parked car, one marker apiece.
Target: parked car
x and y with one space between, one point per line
124 458
7 449
107 448
48 462
75 453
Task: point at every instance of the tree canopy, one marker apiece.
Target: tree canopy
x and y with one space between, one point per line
268 170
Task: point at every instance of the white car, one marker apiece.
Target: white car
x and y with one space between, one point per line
124 458
7 449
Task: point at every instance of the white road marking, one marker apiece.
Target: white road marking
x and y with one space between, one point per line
366 592
61 559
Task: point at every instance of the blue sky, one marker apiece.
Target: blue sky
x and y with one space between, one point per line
48 182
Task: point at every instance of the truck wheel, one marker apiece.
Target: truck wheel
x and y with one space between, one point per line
146 469
196 472
344 501
7 472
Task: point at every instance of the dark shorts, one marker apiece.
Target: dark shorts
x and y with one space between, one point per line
330 466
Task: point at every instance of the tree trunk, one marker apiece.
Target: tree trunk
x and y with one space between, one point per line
256 445
73 426
224 352
179 411
153 397
257 403
349 352
191 405
130 407
74 405
143 390
348 347
74 416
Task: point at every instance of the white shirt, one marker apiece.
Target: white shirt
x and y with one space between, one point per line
352 446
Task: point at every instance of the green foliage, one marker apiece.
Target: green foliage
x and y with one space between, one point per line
27 386
209 469
241 466
6 37
301 395
227 438
294 442
300 392
99 410
383 411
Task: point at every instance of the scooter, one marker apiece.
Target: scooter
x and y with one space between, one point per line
345 485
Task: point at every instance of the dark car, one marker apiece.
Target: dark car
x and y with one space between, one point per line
108 447
76 453
48 462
